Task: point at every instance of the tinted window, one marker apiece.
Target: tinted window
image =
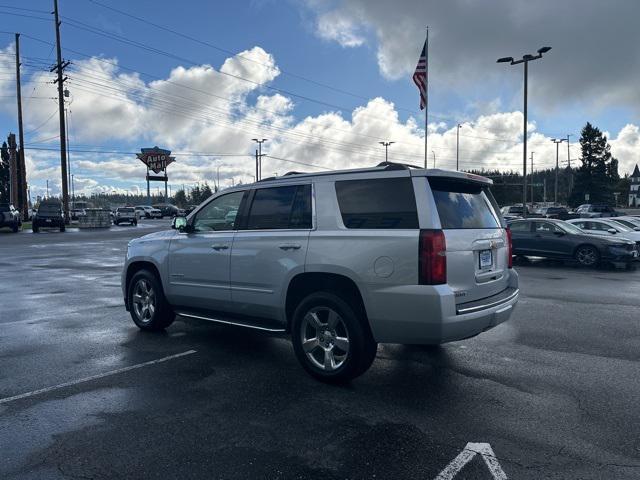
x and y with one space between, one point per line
281 208
126 210
463 205
50 207
546 227
4 207
520 227
219 214
386 203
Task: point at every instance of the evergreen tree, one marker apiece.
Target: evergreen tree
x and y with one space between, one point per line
599 171
180 199
206 192
4 175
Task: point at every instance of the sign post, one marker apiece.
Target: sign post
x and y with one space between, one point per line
156 159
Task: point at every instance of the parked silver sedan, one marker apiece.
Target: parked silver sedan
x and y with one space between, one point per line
606 227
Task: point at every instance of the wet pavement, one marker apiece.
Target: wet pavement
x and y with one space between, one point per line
555 391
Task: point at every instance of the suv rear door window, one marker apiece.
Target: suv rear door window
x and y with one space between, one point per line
279 208
385 203
463 205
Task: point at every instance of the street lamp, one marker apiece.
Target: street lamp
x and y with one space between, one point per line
386 149
458 147
557 141
525 59
434 158
259 157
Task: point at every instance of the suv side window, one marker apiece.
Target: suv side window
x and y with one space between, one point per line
280 208
546 227
384 203
219 214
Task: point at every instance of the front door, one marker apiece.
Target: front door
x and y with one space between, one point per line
199 260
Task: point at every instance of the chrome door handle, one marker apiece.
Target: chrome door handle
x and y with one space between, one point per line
220 246
289 246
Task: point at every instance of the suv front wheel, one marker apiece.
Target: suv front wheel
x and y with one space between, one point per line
148 306
330 339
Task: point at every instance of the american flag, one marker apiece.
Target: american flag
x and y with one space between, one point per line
420 76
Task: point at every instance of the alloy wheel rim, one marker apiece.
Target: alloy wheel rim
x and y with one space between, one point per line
144 300
587 256
325 338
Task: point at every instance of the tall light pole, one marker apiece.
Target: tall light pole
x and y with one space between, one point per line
525 59
259 157
386 149
569 164
434 158
458 127
557 141
532 180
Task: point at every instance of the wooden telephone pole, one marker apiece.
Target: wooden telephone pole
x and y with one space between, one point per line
59 69
21 174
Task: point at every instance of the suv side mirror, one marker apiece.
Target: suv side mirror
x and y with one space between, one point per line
179 223
613 231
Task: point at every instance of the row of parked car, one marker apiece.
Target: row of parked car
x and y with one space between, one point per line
589 241
587 210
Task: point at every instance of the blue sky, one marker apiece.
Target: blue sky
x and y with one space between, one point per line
307 39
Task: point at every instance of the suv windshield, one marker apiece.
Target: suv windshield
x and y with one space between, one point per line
463 205
49 208
125 210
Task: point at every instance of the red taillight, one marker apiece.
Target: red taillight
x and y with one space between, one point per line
509 248
432 257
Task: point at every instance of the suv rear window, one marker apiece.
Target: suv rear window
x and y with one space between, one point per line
126 210
463 205
4 207
385 203
279 208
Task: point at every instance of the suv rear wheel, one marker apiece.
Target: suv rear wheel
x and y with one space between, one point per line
330 340
148 306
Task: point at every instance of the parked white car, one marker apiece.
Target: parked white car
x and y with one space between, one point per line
340 260
630 222
146 211
607 227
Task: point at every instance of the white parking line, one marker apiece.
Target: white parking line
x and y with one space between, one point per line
466 455
94 377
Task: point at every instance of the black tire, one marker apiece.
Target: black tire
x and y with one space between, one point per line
156 319
361 350
587 255
35 228
115 222
135 223
15 228
62 228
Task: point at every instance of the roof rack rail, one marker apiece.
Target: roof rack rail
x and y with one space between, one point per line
267 179
396 166
294 173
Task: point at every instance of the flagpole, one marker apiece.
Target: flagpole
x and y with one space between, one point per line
426 101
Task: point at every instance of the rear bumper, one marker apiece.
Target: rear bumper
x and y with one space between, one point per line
423 314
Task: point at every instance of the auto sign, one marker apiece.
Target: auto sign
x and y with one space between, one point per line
155 158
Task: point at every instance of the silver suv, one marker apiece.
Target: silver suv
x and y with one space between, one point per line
339 260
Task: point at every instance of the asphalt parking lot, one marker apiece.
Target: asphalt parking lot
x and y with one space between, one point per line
554 392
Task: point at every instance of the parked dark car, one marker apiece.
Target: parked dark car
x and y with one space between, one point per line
512 211
560 213
167 210
595 210
561 240
189 209
9 217
49 215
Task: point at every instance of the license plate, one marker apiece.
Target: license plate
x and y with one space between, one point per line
48 220
486 258
634 254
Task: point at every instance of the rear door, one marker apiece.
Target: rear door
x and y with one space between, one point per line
269 248
522 237
475 238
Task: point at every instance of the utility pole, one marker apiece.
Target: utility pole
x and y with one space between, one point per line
525 59
47 195
59 68
257 163
218 176
259 158
557 141
386 149
73 191
434 158
569 164
458 147
532 180
22 178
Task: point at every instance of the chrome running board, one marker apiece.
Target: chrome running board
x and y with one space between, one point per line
229 322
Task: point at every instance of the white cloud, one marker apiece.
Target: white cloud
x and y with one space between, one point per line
336 27
200 109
